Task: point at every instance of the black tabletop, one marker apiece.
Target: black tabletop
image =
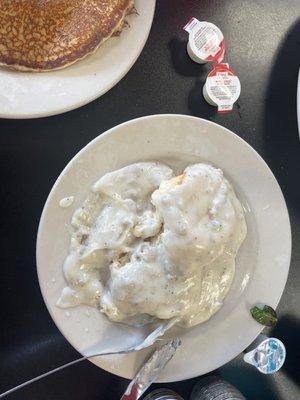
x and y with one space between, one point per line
263 47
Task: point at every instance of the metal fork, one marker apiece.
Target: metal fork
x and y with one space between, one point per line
95 352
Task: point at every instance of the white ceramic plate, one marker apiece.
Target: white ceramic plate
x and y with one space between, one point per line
262 263
32 95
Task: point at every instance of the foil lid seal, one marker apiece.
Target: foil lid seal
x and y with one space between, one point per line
206 41
222 87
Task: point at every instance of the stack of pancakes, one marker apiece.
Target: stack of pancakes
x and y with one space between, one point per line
44 35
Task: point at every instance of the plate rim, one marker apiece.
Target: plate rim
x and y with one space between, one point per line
95 96
101 137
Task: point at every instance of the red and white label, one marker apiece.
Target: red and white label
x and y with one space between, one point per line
223 87
193 22
206 40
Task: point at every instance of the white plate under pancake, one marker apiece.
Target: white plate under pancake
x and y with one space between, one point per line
32 95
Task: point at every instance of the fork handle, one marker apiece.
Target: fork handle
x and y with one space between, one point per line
52 371
37 378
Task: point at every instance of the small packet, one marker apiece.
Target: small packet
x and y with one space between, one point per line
206 41
222 88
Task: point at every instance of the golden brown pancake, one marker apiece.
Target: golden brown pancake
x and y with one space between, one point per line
43 35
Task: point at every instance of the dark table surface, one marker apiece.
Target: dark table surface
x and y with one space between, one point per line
263 47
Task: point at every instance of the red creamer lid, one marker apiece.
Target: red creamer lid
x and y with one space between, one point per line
222 87
206 41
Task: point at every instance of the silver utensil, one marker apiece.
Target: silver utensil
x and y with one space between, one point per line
98 350
151 370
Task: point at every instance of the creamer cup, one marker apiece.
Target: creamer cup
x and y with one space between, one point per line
206 41
222 88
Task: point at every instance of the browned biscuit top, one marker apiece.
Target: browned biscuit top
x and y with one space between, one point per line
49 34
